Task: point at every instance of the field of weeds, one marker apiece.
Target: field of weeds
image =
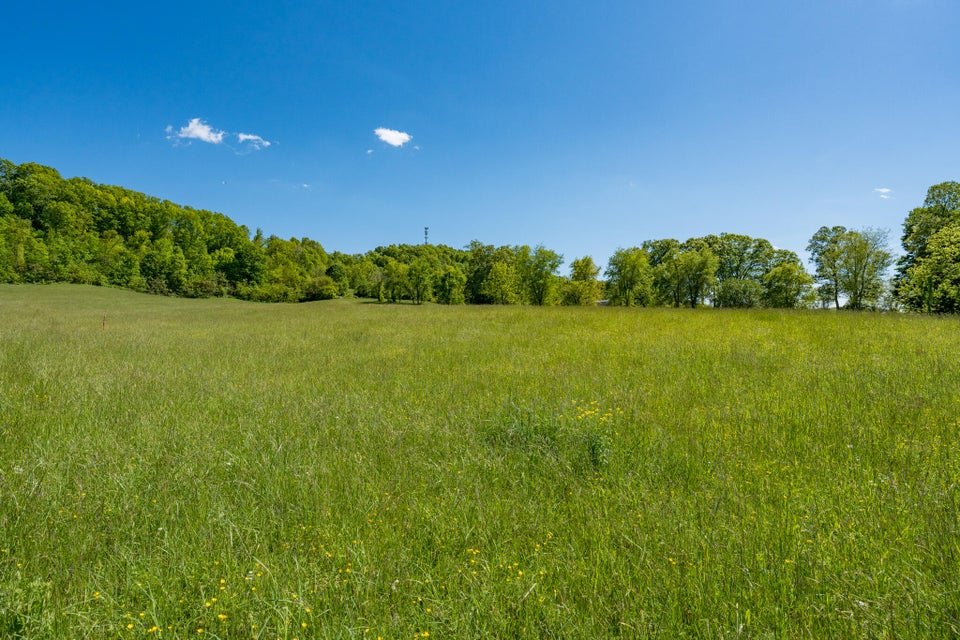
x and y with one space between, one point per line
223 469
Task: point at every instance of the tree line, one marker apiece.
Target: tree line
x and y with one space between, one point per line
74 230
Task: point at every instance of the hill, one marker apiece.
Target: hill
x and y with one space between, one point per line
74 230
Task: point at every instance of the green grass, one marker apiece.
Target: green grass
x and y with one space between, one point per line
352 470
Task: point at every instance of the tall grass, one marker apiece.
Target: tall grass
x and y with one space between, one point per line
350 470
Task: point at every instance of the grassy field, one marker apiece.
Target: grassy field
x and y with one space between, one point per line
223 469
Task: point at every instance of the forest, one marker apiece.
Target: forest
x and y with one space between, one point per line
74 230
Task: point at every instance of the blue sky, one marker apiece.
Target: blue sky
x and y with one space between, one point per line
580 126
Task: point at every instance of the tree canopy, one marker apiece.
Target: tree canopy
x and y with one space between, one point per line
928 274
54 229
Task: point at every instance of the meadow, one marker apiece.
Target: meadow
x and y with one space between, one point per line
342 469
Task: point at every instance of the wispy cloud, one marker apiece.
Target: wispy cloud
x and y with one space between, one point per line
197 129
884 192
393 137
255 142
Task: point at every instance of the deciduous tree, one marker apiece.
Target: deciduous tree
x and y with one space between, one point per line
582 288
500 285
864 260
395 279
787 285
420 280
687 276
914 285
451 285
538 273
932 283
825 249
629 277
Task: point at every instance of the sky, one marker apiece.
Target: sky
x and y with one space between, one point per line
581 126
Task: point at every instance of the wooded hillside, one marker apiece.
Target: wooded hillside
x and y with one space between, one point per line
54 229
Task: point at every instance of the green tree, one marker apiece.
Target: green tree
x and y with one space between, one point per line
629 277
73 258
932 283
740 257
538 273
941 209
32 188
164 268
863 265
583 287
340 275
479 262
320 288
249 264
420 280
742 262
826 251
787 285
850 263
395 279
366 279
659 251
686 276
117 263
6 207
500 285
25 257
451 285
7 274
698 269
739 293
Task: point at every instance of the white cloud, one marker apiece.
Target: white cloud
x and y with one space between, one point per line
256 142
197 129
884 192
393 137
369 152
